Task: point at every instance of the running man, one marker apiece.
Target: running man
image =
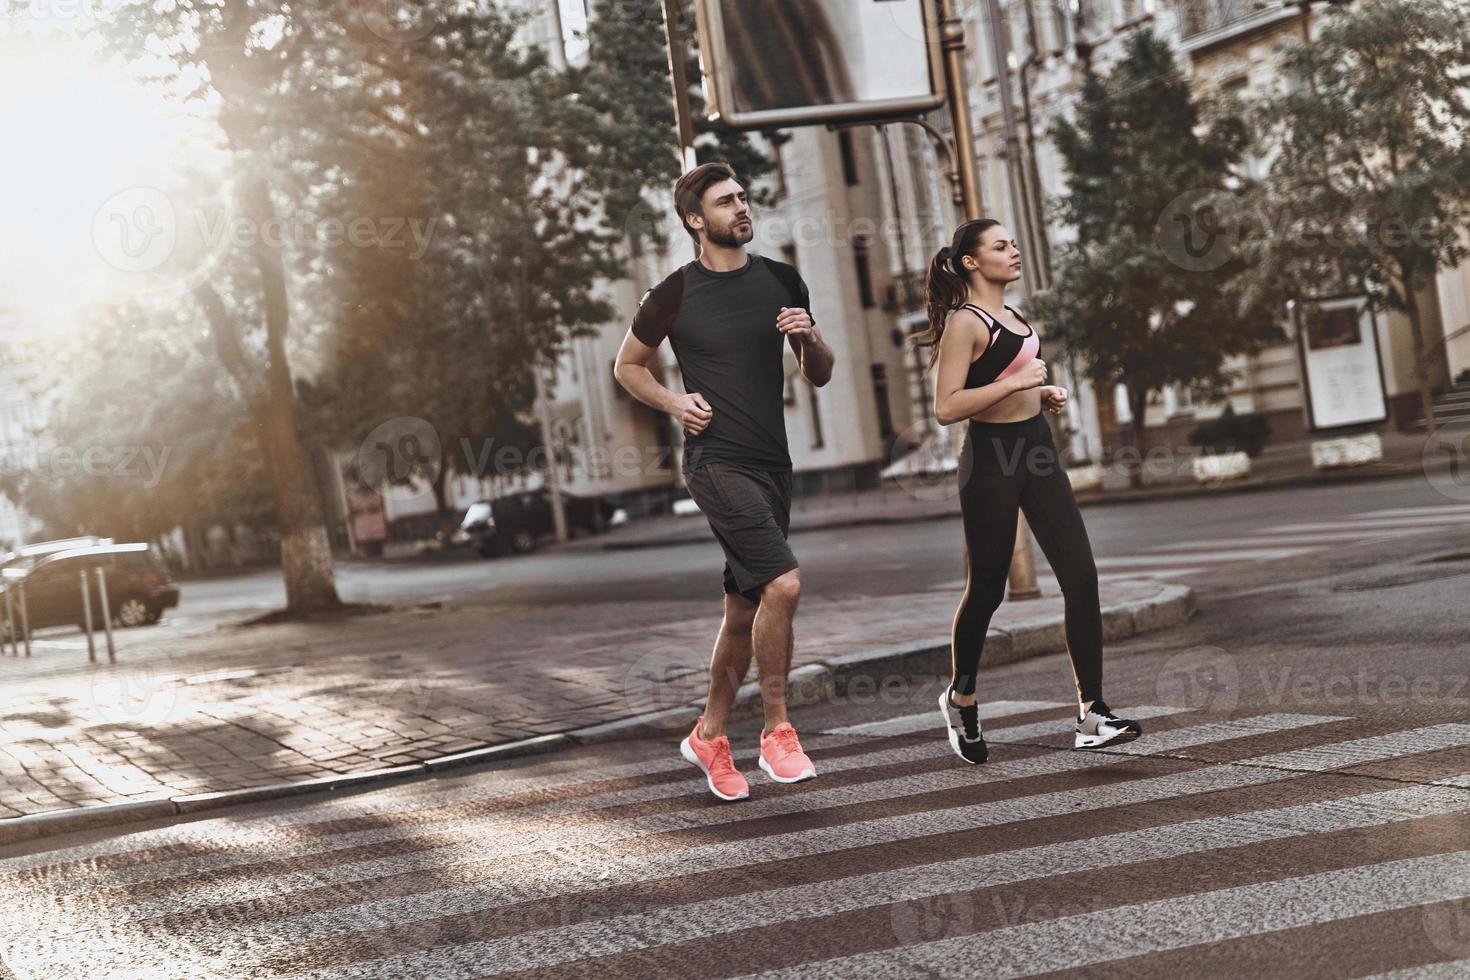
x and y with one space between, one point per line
725 315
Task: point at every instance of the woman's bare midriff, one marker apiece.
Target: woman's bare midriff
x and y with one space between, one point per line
1018 406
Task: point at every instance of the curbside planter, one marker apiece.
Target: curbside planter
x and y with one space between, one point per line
1346 451
1087 476
1221 466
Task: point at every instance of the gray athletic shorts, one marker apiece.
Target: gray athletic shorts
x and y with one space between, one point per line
750 512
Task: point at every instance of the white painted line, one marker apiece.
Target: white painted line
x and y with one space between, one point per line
701 920
1172 923
929 720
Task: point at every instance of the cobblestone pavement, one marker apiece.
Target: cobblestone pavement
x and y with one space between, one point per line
249 706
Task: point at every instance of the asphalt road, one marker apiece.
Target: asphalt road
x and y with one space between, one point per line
1299 805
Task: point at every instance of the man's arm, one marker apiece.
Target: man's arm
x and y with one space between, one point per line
812 353
631 371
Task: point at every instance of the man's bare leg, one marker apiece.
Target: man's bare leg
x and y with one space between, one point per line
773 642
729 664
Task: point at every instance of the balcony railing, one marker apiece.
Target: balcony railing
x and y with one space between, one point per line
1198 17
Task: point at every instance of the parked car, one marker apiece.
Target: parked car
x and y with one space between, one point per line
516 522
139 587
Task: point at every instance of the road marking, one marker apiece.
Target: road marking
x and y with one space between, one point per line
1173 923
701 920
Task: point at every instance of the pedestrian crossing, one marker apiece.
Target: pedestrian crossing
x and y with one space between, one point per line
1271 543
1207 835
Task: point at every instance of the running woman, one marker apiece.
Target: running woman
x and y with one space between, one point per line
990 374
728 316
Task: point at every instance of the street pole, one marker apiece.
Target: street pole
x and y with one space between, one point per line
688 160
952 37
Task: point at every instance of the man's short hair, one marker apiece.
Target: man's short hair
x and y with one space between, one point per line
690 188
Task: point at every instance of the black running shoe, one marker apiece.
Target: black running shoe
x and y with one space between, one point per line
963 726
1102 727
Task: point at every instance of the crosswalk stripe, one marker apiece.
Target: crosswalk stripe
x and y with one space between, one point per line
927 721
562 879
1174 923
1319 538
1218 557
471 848
224 833
459 831
1447 970
1380 522
700 920
1426 509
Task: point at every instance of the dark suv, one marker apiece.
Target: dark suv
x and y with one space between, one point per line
516 521
139 587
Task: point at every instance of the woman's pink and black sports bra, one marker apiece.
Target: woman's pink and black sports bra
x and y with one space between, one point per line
1006 353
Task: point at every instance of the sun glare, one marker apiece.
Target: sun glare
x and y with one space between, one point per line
89 156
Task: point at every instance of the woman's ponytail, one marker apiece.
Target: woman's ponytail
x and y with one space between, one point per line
947 288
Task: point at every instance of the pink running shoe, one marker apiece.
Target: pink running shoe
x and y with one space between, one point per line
713 757
782 757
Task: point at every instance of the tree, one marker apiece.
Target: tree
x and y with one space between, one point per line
1146 296
632 151
1371 176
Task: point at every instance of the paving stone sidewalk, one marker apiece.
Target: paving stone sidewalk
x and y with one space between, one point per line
243 707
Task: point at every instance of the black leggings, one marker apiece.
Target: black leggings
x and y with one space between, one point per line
1003 466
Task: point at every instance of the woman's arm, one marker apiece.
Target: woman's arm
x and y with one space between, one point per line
953 402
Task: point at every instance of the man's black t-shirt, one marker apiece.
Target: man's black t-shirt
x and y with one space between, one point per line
725 339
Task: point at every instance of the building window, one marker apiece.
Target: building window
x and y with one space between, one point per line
817 441
788 254
861 259
849 157
880 398
779 188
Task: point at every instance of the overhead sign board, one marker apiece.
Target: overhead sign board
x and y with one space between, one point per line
777 63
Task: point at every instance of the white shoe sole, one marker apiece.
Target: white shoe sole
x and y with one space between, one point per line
807 773
954 736
687 751
1099 741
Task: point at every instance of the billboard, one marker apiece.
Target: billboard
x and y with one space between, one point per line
774 63
1337 341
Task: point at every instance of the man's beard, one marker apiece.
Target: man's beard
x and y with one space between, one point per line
729 237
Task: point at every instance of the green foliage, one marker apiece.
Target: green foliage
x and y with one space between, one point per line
1370 186
1146 295
1229 432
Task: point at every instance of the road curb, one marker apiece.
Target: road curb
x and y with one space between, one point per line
808 684
1084 499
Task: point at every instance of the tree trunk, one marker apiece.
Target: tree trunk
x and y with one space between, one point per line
1421 362
446 525
306 548
1137 405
